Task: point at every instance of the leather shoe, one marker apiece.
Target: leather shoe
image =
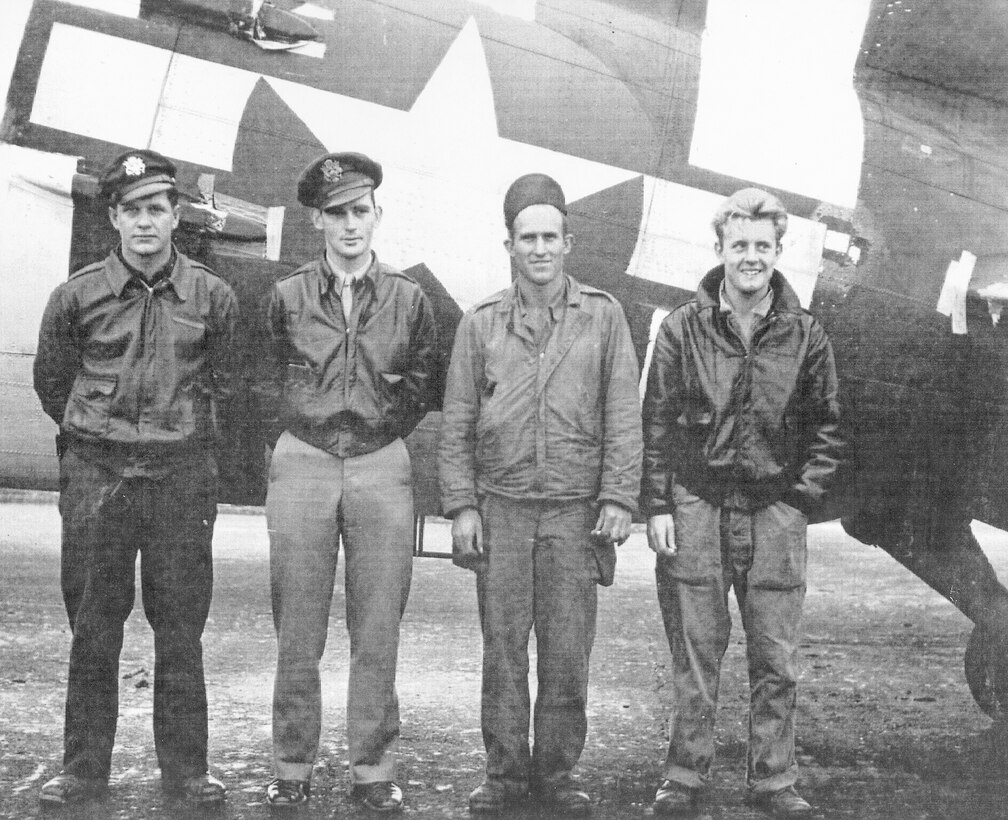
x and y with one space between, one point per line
564 796
382 796
493 796
287 794
675 800
65 789
202 789
784 803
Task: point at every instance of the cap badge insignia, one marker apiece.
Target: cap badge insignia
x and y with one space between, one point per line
134 166
332 170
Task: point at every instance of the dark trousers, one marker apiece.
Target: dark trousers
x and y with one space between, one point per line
762 554
107 519
540 571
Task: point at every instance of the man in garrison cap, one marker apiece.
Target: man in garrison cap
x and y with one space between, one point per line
347 378
539 465
135 365
740 444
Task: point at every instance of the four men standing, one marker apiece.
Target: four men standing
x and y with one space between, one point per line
540 463
540 469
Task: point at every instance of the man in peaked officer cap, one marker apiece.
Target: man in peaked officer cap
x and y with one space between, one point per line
134 364
348 377
539 464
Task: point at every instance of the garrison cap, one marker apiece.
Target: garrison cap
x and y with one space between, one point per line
532 189
136 174
335 179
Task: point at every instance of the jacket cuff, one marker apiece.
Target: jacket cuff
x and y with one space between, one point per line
657 506
623 501
449 509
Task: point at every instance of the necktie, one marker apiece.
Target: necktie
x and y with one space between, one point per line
346 296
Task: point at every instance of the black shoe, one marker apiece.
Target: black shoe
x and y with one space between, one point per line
67 789
675 800
383 796
784 803
199 789
564 796
287 794
493 796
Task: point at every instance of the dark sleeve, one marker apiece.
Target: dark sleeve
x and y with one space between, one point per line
820 389
621 454
460 411
271 370
58 358
419 371
223 359
662 406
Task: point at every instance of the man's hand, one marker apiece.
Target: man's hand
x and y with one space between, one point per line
661 534
467 539
613 523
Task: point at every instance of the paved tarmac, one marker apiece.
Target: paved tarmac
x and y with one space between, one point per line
886 727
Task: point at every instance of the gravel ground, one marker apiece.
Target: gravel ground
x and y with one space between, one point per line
886 729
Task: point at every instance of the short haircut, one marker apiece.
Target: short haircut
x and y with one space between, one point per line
750 203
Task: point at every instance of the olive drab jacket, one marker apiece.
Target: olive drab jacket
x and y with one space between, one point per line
558 424
760 422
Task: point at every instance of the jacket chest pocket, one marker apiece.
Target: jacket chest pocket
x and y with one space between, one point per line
188 335
90 407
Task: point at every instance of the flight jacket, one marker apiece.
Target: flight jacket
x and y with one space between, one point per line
353 387
563 424
123 367
760 423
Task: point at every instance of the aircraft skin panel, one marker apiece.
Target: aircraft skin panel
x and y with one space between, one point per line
610 113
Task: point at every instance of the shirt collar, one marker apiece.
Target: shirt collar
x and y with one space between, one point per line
556 303
332 278
761 308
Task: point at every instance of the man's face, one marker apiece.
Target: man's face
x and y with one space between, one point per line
349 227
538 244
145 225
749 251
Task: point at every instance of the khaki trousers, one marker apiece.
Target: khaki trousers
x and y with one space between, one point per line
314 501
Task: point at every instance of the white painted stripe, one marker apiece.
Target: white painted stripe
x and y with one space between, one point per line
656 319
314 12
100 86
776 99
135 94
274 232
201 108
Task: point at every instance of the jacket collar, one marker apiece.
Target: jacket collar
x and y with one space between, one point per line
785 300
180 279
511 301
327 276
